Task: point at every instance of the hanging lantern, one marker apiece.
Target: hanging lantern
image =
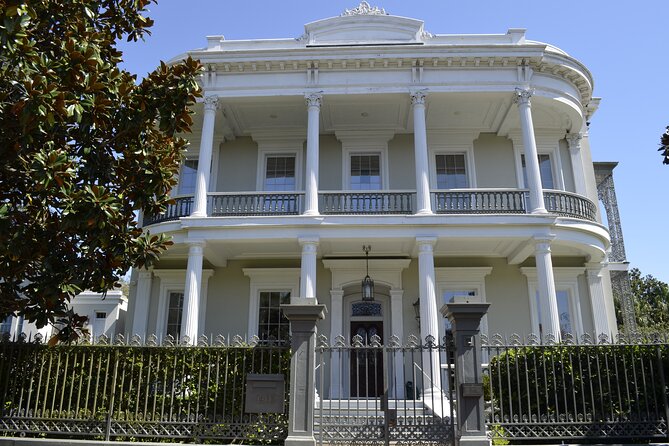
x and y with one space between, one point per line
367 282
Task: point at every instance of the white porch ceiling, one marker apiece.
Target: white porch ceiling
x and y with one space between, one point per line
482 112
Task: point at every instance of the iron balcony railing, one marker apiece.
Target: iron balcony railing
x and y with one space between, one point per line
473 201
367 202
255 203
453 201
182 207
510 201
569 205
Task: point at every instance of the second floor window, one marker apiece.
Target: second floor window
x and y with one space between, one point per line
280 173
365 172
545 169
188 177
451 171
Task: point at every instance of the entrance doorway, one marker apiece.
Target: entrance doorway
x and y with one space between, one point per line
367 363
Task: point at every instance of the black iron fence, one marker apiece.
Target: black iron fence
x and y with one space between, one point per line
371 392
128 391
591 390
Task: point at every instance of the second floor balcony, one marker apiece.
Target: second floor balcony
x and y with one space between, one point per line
387 202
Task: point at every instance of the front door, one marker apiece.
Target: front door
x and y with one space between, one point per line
366 361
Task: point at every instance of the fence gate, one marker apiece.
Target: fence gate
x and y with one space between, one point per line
375 393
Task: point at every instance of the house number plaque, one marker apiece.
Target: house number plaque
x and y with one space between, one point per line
264 393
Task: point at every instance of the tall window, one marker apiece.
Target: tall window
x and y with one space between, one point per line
272 324
451 171
6 325
187 177
365 172
174 313
280 173
545 170
564 312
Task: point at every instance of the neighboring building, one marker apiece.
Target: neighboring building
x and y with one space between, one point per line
462 160
106 316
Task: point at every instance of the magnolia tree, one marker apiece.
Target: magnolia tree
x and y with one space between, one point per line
84 147
664 146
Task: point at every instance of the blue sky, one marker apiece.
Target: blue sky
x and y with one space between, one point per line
624 44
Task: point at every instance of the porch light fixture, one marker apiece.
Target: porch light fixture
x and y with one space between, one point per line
367 282
416 309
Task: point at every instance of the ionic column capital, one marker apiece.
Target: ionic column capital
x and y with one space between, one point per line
522 96
595 269
145 274
418 97
313 99
211 103
574 140
542 243
196 247
308 244
426 244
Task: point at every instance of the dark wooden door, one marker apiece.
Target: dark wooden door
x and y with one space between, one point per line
367 362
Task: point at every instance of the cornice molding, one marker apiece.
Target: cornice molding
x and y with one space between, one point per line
560 66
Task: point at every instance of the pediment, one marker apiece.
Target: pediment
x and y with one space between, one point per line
364 25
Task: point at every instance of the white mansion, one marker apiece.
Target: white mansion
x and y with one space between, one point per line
461 161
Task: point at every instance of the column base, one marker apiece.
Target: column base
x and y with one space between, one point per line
311 213
198 214
539 211
437 401
424 212
474 441
300 440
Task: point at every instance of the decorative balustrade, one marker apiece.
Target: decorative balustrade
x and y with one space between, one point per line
472 201
510 201
182 207
460 201
368 202
570 205
255 203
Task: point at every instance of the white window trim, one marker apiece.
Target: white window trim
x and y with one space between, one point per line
263 154
175 190
383 165
462 278
364 142
565 279
546 145
174 280
449 142
468 152
268 279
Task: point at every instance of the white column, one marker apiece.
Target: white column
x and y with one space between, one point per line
336 326
311 181
429 319
142 299
594 272
574 141
550 316
191 305
308 267
423 205
397 328
204 158
522 98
